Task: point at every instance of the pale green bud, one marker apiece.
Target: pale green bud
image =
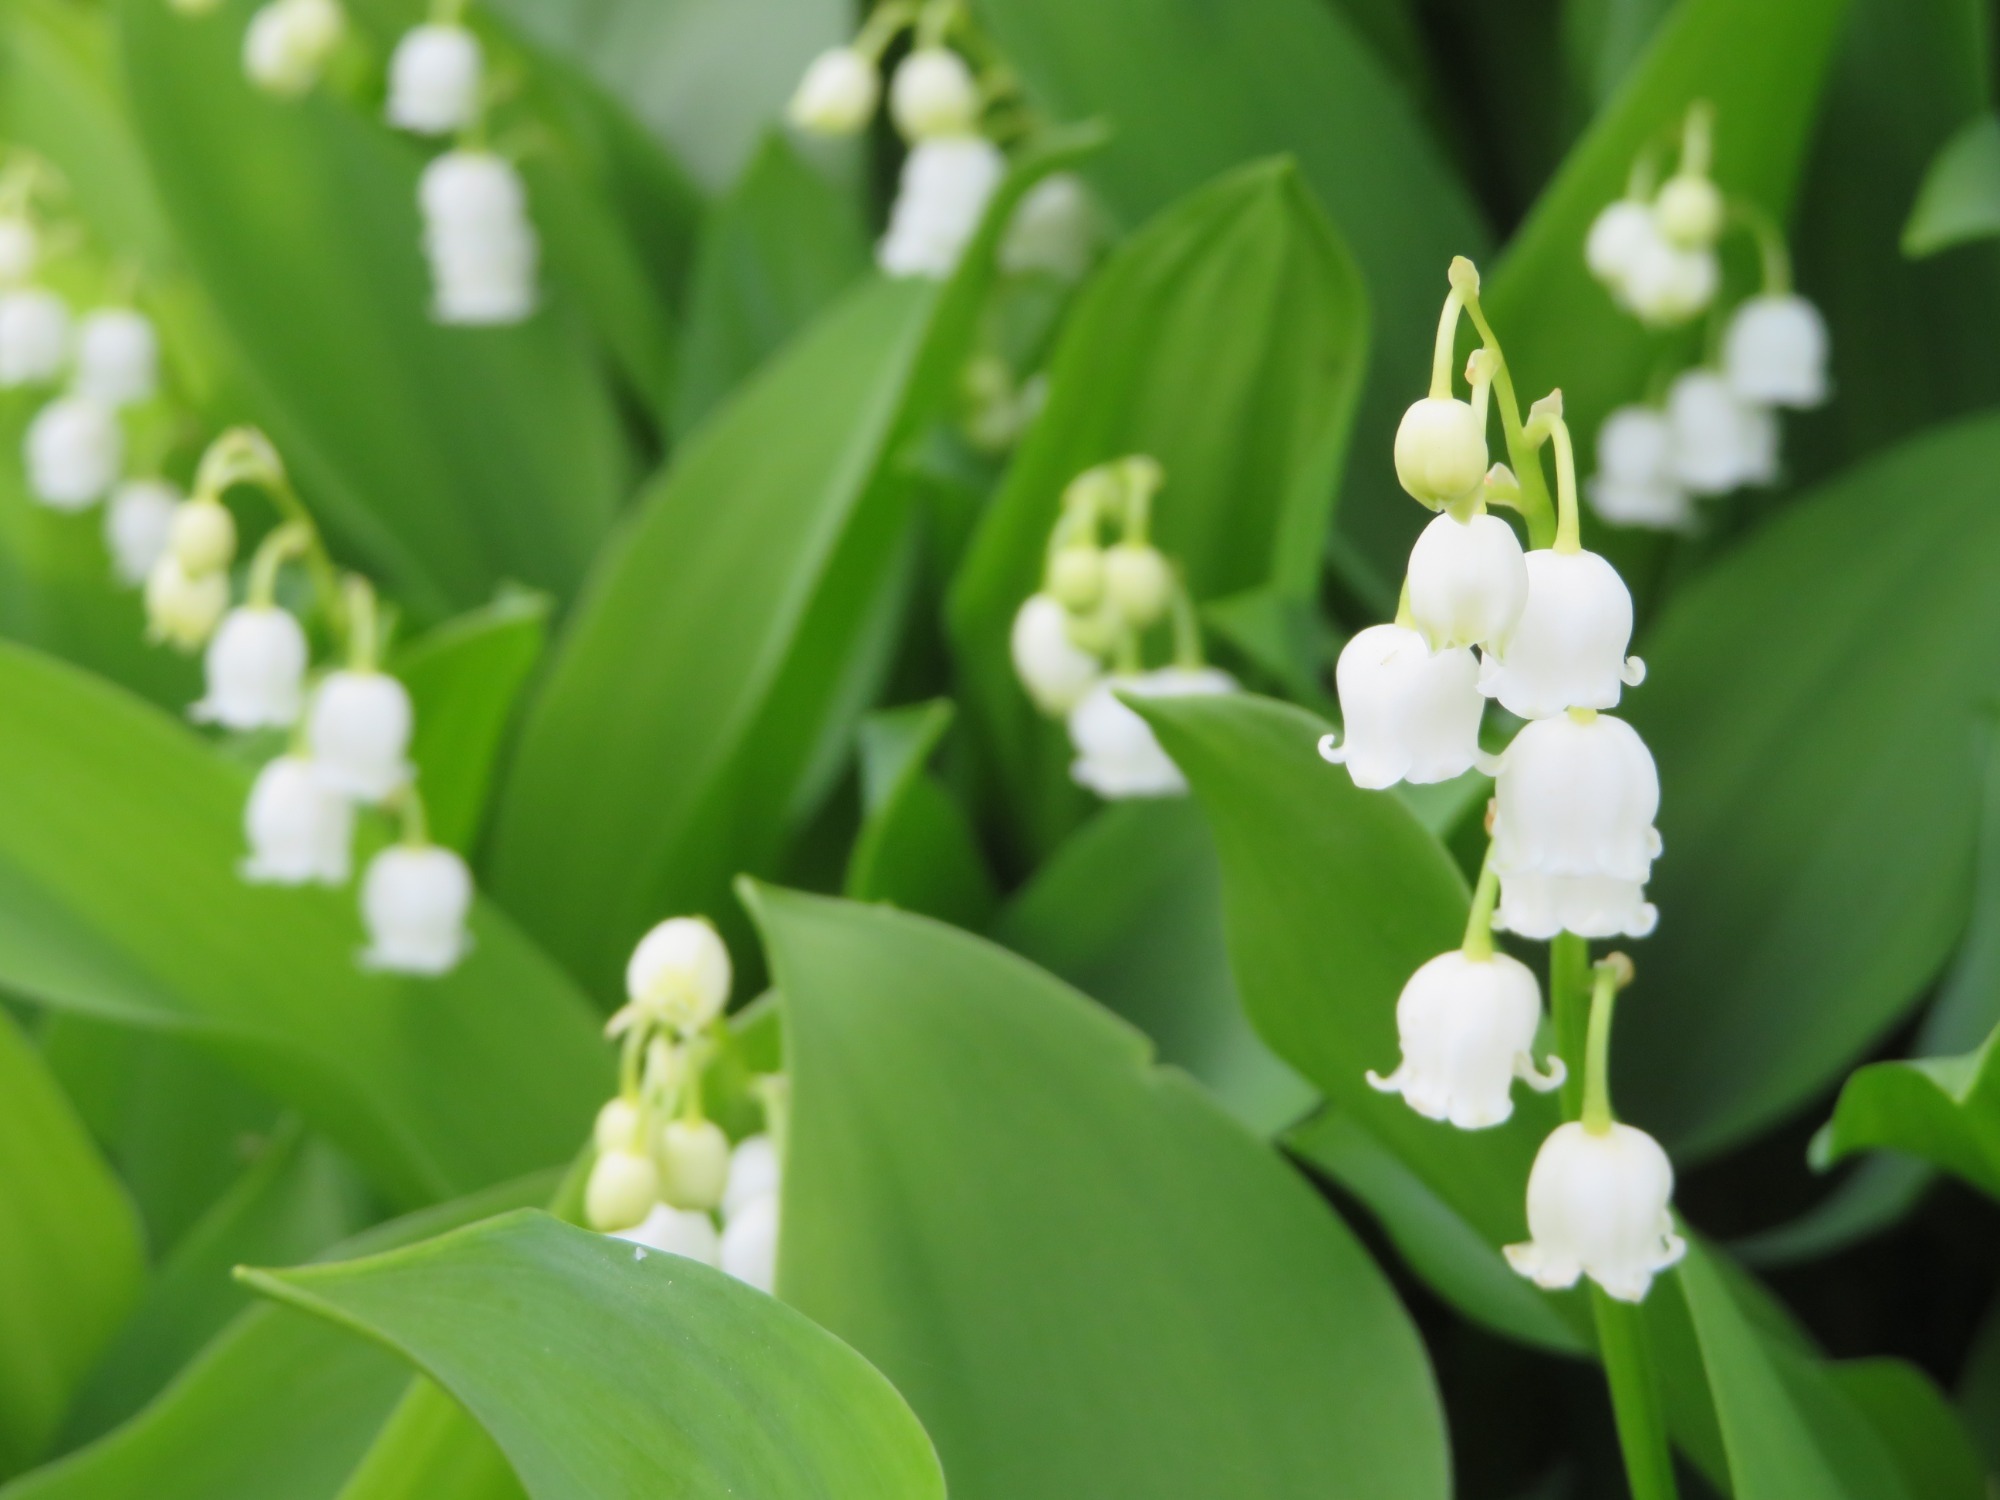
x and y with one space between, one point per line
694 1162
1138 582
1076 576
622 1190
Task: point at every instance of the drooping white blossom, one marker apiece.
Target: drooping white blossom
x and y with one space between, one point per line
183 608
117 356
434 79
1117 755
1468 581
676 1231
622 1189
289 43
483 250
1053 230
1440 450
20 249
34 336
694 1164
358 731
680 974
933 94
414 902
1775 350
1567 650
1467 1028
1598 1206
749 1249
73 450
1667 285
1636 483
137 524
256 668
838 94
1055 671
299 832
1721 441
1618 235
1407 714
946 184
754 1169
1594 906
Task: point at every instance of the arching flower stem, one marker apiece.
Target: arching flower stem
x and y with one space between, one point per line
1534 504
1479 923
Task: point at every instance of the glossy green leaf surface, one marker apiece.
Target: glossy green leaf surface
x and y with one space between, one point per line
651 1374
449 458
1944 1110
1960 196
431 1449
71 1257
119 897
1929 1444
1820 778
1083 1276
916 848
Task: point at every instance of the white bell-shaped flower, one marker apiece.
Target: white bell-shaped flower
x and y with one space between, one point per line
687 1233
1667 285
117 356
34 336
1598 1206
837 95
622 1189
183 608
289 42
1576 796
359 734
299 832
1116 753
414 902
694 1163
1467 1027
1440 450
1720 441
933 94
1468 581
1688 211
434 79
482 248
749 1250
680 974
1567 650
1053 230
74 450
1635 483
137 524
1056 672
1594 906
946 184
256 669
1618 236
754 1170
1775 351
20 249
1408 714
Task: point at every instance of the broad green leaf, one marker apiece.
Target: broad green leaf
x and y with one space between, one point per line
1811 701
649 1371
1129 910
119 896
1960 196
465 679
1194 89
916 848
1930 1445
296 1199
773 254
448 458
1086 1279
279 1406
71 1259
1943 1110
430 1449
1227 338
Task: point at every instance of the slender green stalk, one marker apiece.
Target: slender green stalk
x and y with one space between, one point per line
1569 522
1479 924
1569 1002
1635 1397
1535 506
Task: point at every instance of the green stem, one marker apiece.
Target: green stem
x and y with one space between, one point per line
1534 504
359 601
1479 922
1635 1397
285 542
1187 627
416 827
1697 133
1596 1115
1140 478
1569 523
1773 258
881 27
1446 347
1569 1002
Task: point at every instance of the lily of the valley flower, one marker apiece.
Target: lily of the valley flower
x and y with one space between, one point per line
1056 672
1721 441
414 902
74 449
34 336
137 524
1598 1207
754 1170
1688 211
1667 284
483 250
1775 350
299 832
1567 650
1117 755
1618 236
1408 714
1467 1027
622 1189
1468 581
117 356
289 43
749 1248
434 79
1440 450
946 184
679 975
688 1233
838 94
256 668
694 1164
183 608
933 94
1636 483
359 733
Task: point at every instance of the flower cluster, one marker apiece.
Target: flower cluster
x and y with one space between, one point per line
1717 428
1571 823
1078 642
664 1174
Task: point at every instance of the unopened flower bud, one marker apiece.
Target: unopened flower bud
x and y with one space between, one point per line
694 1163
1689 211
414 902
680 973
137 525
838 93
73 451
749 1249
298 831
434 78
1567 650
1598 1206
289 43
1053 668
359 734
203 537
676 1231
1138 583
619 1126
1408 714
183 609
621 1191
1076 576
34 336
754 1170
117 356
256 667
933 94
1117 755
20 249
1467 1027
946 184
1774 353
1440 450
1468 581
